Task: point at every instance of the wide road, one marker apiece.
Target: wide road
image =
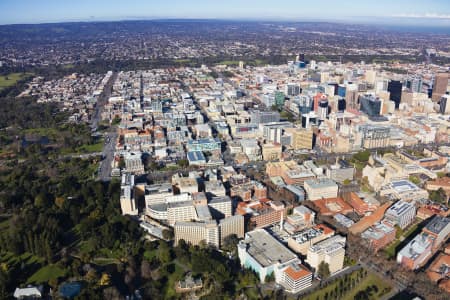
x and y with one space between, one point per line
104 173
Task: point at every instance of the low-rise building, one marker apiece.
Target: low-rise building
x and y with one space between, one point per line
262 253
379 236
416 253
401 213
320 188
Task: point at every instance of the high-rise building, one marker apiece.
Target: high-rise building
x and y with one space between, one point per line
279 99
395 89
414 83
322 110
292 89
341 105
444 104
440 86
370 105
351 97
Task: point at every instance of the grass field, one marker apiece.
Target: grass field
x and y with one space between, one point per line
98 147
46 273
11 79
371 280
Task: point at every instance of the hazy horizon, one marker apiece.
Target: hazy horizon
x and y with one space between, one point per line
402 12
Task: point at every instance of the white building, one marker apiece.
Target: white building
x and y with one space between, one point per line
401 213
331 251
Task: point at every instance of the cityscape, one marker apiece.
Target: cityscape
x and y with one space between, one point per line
196 157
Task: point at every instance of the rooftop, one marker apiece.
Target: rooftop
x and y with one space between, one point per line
437 224
265 249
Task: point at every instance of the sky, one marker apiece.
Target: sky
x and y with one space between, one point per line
41 11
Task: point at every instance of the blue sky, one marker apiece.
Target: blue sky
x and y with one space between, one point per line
38 11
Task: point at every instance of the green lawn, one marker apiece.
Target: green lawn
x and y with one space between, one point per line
229 62
370 279
182 60
98 147
11 79
46 273
382 287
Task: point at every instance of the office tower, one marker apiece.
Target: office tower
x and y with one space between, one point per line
351 98
370 105
395 88
341 105
341 90
444 105
414 83
439 86
279 99
293 89
323 109
305 104
302 57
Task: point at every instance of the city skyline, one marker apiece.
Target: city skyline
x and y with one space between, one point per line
417 13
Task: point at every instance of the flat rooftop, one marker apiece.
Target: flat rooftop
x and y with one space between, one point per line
437 224
265 249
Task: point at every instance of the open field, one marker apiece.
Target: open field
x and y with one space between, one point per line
11 79
329 291
46 273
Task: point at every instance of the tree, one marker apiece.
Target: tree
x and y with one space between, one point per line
323 270
270 277
230 243
414 179
167 234
146 271
362 156
183 163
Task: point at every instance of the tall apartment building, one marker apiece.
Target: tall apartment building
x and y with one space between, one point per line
331 251
401 213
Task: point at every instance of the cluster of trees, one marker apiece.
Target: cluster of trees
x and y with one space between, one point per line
367 293
345 284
